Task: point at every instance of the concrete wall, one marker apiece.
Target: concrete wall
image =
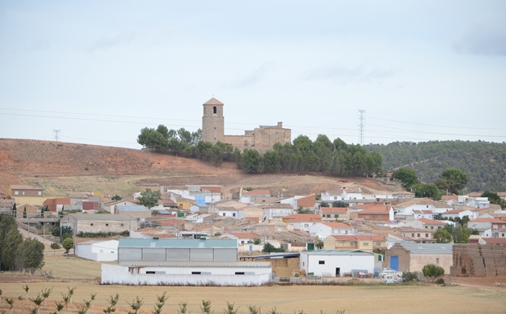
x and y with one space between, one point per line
418 261
220 276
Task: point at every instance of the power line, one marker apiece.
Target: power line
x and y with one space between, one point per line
361 125
56 135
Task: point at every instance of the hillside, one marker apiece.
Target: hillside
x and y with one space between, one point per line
484 163
66 167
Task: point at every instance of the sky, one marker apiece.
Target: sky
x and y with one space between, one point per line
98 72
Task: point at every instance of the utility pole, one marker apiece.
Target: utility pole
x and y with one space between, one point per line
56 135
361 120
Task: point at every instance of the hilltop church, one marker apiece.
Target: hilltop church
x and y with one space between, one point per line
262 138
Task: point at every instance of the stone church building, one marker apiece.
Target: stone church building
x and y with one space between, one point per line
262 138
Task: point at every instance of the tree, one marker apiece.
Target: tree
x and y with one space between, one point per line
492 197
268 248
339 204
442 236
149 198
427 190
452 180
160 302
14 210
45 294
407 177
432 271
116 198
24 212
31 254
55 246
324 204
251 162
460 234
68 244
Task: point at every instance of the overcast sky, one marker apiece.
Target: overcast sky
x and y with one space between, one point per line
99 71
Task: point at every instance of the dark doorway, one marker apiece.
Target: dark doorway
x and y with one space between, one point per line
338 272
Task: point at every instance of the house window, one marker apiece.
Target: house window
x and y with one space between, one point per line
366 243
91 224
432 227
426 227
233 214
321 262
380 216
214 110
107 225
23 192
412 235
417 235
366 216
16 192
224 214
378 243
122 225
336 216
196 272
40 193
426 235
437 260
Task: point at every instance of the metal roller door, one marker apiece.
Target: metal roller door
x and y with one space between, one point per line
225 255
198 254
153 254
125 254
178 254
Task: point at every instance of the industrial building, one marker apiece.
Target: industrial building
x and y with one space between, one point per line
338 263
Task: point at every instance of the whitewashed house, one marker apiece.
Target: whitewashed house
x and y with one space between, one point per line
325 229
337 263
276 211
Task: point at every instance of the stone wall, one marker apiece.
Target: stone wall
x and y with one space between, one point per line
471 260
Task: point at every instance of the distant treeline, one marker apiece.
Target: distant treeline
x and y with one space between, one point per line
484 163
303 156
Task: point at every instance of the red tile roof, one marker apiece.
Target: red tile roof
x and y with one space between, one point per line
338 225
302 218
257 192
329 210
494 240
244 235
431 221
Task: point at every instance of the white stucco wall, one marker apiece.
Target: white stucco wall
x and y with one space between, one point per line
221 276
346 263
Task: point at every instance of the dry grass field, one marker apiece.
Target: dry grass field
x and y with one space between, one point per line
416 298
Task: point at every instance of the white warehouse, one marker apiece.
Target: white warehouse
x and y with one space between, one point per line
100 251
337 263
188 273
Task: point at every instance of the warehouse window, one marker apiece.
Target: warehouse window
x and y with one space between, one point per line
196 273
321 262
239 273
150 272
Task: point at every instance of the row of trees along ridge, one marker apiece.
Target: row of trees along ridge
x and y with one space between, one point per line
302 156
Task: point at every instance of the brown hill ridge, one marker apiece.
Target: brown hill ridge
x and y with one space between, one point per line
55 165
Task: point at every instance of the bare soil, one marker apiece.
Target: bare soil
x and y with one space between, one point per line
60 168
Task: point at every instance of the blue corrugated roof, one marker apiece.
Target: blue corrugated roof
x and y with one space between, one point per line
176 243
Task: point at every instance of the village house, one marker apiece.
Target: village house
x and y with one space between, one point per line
365 242
302 221
324 229
136 211
498 228
341 196
418 235
57 204
335 213
276 211
375 212
26 194
30 211
301 201
95 223
481 225
241 237
424 223
260 196
109 206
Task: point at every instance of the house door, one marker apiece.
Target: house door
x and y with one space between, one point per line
338 272
394 262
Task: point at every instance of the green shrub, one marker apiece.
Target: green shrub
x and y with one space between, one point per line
410 276
440 281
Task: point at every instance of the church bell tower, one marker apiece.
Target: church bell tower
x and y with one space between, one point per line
213 122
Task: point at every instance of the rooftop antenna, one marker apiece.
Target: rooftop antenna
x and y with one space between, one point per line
56 135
